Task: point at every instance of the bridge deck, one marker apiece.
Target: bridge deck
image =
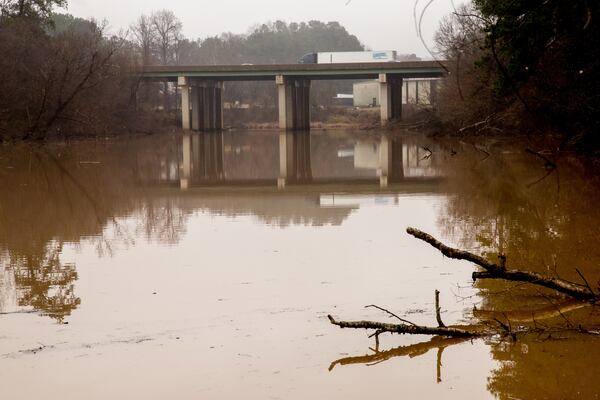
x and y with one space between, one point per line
406 69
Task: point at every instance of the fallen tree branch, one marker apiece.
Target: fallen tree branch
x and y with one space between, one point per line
583 295
382 327
496 271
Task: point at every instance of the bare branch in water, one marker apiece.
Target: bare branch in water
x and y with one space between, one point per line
438 310
496 271
390 313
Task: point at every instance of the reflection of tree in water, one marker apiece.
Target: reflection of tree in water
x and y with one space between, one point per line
45 283
563 368
161 221
499 205
50 195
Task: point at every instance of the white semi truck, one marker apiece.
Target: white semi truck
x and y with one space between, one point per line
341 57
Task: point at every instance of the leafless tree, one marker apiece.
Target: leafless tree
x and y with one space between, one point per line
168 32
144 37
466 97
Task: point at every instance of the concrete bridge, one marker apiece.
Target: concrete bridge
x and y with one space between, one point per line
202 87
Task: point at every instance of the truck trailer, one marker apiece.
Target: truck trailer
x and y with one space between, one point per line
342 57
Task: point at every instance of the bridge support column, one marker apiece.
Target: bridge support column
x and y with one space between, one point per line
390 97
294 102
184 88
206 99
197 102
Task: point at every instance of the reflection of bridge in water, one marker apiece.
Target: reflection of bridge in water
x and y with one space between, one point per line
300 158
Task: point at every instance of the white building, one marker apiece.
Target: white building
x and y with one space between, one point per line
414 91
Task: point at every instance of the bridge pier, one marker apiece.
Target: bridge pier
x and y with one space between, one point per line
201 104
184 89
294 102
390 97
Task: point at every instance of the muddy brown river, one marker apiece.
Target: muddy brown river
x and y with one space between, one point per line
204 266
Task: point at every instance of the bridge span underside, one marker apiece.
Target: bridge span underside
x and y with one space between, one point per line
201 87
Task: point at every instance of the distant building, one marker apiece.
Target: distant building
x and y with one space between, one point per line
414 91
366 94
343 99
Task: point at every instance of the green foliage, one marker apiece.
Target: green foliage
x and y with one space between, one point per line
31 9
65 22
272 43
536 64
547 54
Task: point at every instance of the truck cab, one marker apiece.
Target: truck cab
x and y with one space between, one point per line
308 58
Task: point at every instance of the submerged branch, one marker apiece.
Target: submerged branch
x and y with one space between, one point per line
533 316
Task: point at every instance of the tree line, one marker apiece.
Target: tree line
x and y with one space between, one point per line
512 66
158 40
66 76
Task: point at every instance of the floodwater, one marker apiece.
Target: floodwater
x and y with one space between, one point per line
204 267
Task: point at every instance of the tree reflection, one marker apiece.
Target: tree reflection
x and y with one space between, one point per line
545 220
53 195
45 283
414 350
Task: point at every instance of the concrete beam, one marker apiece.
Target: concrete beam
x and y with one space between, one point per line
408 69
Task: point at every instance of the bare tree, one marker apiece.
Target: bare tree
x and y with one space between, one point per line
466 97
144 37
60 81
168 32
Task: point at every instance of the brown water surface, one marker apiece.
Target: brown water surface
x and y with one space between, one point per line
204 267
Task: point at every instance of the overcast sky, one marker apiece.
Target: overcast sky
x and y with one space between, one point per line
379 24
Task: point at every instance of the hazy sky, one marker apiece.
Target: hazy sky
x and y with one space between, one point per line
380 24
